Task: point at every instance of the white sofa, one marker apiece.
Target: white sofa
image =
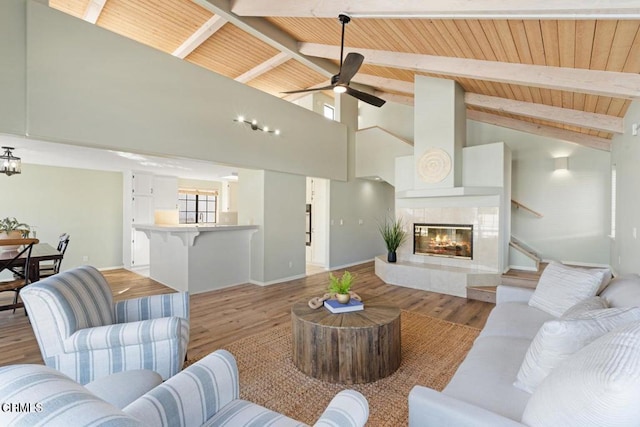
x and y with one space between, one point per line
482 393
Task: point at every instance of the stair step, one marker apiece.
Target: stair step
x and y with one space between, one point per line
482 293
519 282
523 279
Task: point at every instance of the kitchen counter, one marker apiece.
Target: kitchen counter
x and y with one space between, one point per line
188 232
199 258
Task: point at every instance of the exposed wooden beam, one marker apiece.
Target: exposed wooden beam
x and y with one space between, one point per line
266 66
582 119
93 10
385 83
199 36
394 97
442 9
546 131
270 34
595 82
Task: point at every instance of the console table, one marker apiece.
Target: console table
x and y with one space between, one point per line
348 348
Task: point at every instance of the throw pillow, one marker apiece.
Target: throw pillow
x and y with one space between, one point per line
560 287
623 291
588 304
597 386
559 339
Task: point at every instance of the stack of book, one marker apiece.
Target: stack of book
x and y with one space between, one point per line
335 307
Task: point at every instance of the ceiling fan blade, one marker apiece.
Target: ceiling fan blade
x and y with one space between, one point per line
365 97
330 87
350 67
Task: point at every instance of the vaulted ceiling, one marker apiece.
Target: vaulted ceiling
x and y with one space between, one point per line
548 68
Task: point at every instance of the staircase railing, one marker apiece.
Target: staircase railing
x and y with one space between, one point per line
519 205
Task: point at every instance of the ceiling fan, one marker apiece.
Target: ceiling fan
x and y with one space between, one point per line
348 68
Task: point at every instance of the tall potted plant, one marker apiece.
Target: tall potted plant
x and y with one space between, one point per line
393 235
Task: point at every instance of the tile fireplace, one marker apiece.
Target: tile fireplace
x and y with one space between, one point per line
445 240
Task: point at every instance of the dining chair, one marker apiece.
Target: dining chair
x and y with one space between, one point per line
50 268
17 262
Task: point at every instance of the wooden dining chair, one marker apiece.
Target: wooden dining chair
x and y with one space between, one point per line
17 262
50 268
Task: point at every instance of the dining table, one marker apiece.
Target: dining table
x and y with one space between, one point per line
39 252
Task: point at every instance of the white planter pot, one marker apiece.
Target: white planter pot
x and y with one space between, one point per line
15 234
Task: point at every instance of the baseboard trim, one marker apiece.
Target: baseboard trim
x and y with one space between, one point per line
522 268
339 267
273 282
117 267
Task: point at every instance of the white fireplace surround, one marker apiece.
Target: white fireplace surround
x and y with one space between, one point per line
460 185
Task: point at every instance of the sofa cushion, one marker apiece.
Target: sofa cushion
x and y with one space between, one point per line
586 305
561 286
242 413
485 377
558 339
597 386
122 388
623 291
515 319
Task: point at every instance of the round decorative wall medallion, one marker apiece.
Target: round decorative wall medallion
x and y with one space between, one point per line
434 165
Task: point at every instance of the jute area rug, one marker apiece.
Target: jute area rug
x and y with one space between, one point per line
432 349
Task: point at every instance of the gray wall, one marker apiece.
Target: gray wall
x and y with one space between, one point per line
356 200
284 249
86 204
393 117
91 87
575 204
276 202
12 68
625 155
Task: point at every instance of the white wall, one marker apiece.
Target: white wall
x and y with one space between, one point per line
625 155
86 204
92 87
251 212
575 204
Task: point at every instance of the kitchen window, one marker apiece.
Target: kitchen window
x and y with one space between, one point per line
195 207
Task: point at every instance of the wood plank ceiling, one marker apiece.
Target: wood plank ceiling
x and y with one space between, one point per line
611 45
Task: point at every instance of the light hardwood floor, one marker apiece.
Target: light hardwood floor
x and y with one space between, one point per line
221 317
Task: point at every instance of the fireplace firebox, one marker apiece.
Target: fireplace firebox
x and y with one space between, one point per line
446 240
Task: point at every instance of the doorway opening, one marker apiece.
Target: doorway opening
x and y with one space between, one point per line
317 225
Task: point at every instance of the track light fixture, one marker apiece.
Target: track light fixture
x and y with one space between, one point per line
256 126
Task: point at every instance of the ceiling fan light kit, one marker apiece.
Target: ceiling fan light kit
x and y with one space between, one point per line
348 68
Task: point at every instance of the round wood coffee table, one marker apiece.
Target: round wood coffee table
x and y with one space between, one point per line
357 347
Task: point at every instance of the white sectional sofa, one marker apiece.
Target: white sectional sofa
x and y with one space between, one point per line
482 391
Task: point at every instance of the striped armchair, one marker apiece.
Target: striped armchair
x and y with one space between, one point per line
83 334
205 393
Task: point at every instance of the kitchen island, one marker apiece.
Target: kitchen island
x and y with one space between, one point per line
199 258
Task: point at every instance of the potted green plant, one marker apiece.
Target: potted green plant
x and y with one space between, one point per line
11 228
394 235
341 286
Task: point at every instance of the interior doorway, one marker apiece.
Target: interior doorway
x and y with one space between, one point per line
317 225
